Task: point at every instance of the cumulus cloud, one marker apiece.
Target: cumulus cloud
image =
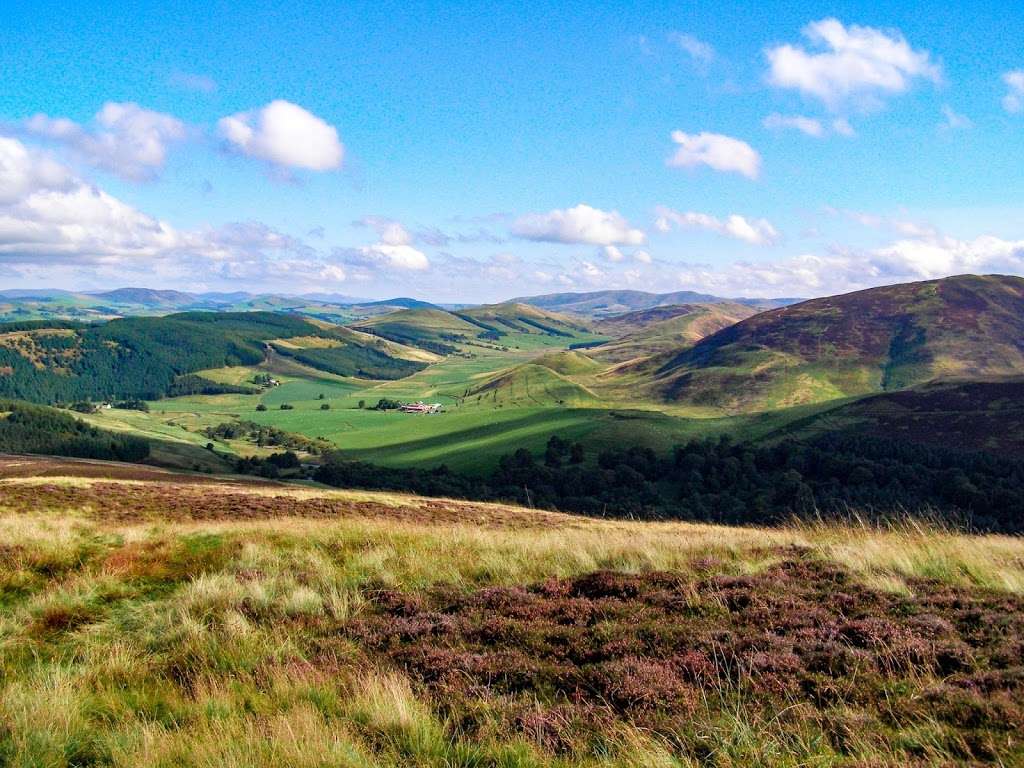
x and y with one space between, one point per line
1013 101
702 53
908 259
24 171
125 139
849 64
52 220
753 231
396 256
285 135
612 253
642 256
722 153
581 224
394 248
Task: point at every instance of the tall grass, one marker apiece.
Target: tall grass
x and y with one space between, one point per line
190 645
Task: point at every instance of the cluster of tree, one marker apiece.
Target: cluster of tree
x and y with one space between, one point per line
353 360
191 384
384 404
489 332
27 428
724 481
272 466
132 405
412 339
549 330
263 435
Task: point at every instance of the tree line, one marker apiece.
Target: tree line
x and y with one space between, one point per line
730 482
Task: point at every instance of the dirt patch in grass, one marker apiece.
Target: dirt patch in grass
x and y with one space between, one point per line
15 466
799 648
115 502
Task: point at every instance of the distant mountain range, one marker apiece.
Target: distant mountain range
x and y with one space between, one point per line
592 304
606 303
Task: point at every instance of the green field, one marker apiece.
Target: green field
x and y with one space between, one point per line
496 399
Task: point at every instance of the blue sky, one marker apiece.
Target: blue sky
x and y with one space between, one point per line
467 152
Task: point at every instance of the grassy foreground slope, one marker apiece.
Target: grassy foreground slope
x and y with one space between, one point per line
165 620
880 339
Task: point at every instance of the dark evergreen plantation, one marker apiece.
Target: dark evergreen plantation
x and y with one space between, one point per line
26 428
153 357
726 482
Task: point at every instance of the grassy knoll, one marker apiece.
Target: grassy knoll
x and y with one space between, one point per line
185 622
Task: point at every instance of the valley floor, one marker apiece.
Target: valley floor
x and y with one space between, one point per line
153 618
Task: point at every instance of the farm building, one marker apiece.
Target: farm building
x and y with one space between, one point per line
421 408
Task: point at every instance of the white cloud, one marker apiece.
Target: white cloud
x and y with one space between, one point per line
390 231
1013 101
127 139
753 231
397 256
642 256
899 224
722 153
52 222
581 224
842 126
806 125
701 52
193 82
611 253
923 258
285 135
24 171
855 63
953 121
394 248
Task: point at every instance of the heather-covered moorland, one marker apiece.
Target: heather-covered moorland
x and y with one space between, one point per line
158 619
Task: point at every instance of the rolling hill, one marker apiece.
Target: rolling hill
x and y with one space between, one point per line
607 303
661 329
151 357
530 384
876 340
439 330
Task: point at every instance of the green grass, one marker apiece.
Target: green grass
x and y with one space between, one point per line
224 645
522 410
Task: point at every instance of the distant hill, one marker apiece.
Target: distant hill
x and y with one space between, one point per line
876 340
402 302
146 297
605 303
439 331
36 293
654 331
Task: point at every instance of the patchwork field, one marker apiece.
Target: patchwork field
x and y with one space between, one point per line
186 620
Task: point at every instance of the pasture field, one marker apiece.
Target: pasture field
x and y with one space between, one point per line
158 619
471 434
